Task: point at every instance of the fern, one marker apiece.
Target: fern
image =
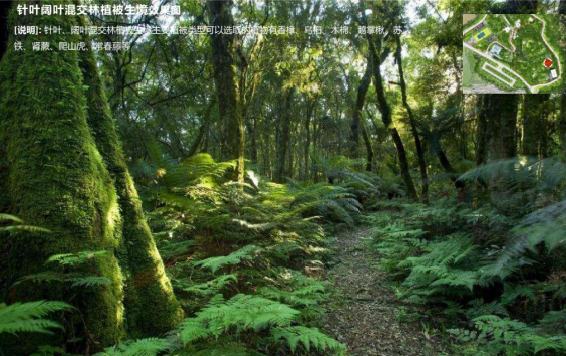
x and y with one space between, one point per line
17 224
308 337
244 312
215 263
212 287
29 317
224 350
143 347
71 259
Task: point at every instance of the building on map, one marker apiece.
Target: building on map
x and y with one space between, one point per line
495 50
507 29
553 73
480 26
531 19
518 23
492 37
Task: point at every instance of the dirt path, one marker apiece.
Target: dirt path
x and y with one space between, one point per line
363 315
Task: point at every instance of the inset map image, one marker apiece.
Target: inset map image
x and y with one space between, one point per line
517 53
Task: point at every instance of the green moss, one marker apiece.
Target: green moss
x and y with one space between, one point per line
56 179
151 306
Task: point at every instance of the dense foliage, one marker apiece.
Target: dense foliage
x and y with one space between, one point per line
489 270
180 195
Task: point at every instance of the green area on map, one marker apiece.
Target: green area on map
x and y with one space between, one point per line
509 51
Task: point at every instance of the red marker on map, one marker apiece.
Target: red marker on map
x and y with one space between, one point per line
547 63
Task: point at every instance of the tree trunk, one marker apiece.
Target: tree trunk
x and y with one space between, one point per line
203 130
253 140
70 176
4 9
501 112
385 111
562 126
151 306
358 107
418 147
436 147
535 130
482 133
369 148
290 162
282 144
306 150
56 179
231 122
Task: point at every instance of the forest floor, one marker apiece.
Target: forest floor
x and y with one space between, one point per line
365 314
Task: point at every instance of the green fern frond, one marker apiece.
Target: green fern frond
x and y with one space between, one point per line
307 337
143 347
214 286
29 317
217 262
71 259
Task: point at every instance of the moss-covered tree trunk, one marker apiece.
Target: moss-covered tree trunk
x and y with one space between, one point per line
151 306
65 172
231 120
56 179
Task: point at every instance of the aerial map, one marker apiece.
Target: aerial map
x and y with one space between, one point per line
513 54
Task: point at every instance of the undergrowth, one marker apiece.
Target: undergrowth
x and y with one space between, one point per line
490 270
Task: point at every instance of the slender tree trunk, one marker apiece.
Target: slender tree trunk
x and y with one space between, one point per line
369 148
306 150
436 147
358 107
230 118
562 125
290 162
282 144
151 306
203 130
418 147
482 133
385 111
253 140
535 130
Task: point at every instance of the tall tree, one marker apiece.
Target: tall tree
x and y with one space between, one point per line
70 178
535 126
230 116
151 306
501 112
80 207
412 123
562 125
385 110
481 130
369 148
363 87
283 135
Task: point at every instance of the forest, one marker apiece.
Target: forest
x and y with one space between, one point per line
273 177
